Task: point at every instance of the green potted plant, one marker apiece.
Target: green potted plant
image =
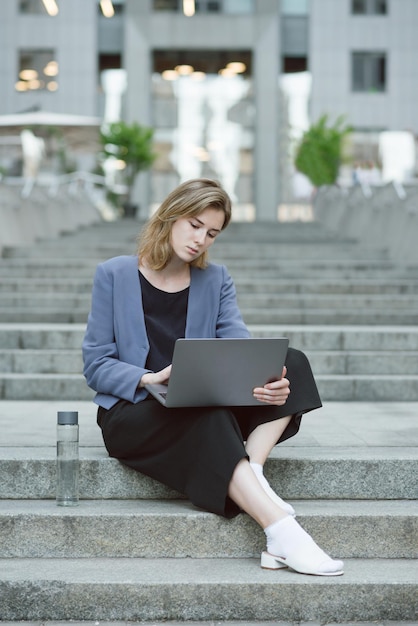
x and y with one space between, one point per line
132 144
319 153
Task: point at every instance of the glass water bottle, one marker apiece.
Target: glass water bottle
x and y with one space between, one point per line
67 458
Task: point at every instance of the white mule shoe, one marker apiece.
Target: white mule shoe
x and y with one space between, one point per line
285 506
304 563
289 545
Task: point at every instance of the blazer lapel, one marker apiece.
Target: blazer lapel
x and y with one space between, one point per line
201 318
135 331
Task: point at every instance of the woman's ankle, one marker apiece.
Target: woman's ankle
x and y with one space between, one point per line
258 471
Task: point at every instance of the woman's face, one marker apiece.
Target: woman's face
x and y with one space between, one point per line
192 236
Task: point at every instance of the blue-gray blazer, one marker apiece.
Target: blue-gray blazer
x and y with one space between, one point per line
115 345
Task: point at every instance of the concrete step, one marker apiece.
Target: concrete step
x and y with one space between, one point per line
247 301
134 550
245 285
250 272
230 248
41 336
334 337
39 315
284 232
48 361
373 387
158 529
41 361
203 589
297 473
276 301
345 316
44 361
331 337
41 265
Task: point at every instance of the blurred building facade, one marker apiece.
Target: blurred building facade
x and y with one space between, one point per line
228 89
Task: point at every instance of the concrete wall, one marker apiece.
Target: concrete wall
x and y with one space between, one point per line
72 34
335 33
43 213
259 32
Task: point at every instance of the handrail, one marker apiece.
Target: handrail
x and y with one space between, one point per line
377 215
54 183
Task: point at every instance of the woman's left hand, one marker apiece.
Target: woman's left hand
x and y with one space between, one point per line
275 392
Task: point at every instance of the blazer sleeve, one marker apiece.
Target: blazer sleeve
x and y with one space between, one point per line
229 322
103 369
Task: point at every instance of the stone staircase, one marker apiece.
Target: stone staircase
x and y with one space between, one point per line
134 550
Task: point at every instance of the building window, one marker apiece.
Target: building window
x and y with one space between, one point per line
369 7
38 7
38 70
166 5
238 6
203 116
294 7
117 8
207 6
294 64
109 61
369 71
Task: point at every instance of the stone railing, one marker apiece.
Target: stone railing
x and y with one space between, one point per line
383 217
35 209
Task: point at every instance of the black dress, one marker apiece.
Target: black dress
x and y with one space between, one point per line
194 450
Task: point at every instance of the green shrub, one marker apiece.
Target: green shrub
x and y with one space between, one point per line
319 153
130 143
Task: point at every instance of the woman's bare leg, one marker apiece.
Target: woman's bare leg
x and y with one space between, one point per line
259 445
246 491
287 543
263 439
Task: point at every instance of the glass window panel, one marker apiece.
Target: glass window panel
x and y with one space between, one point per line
38 70
203 120
357 72
295 7
238 6
380 72
380 7
166 5
34 7
208 6
369 7
358 7
369 71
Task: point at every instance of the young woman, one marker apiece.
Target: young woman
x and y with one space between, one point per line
140 305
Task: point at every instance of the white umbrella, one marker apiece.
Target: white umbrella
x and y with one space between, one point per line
44 118
78 130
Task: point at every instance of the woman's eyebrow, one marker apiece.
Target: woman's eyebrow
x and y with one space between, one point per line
218 230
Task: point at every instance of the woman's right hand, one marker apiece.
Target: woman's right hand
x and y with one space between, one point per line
152 378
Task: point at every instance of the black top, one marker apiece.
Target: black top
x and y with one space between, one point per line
165 320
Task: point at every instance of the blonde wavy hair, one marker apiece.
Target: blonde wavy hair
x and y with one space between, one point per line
188 200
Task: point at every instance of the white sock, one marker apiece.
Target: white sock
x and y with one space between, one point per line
258 471
286 536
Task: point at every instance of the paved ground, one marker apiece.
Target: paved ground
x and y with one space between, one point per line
339 424
208 623
344 425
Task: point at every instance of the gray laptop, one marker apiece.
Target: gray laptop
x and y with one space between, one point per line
220 372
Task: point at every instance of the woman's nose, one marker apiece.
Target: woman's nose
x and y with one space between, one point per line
199 236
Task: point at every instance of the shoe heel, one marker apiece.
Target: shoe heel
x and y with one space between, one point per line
268 561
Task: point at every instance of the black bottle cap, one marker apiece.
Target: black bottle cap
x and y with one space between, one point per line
66 418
